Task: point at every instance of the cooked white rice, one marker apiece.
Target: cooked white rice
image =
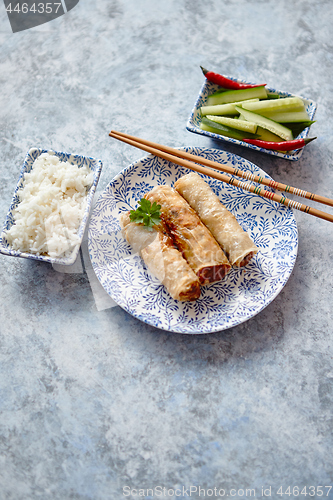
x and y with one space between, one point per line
52 203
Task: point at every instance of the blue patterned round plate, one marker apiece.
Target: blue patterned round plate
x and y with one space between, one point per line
242 294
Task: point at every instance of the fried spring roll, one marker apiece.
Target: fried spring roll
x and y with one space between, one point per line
234 241
191 236
162 259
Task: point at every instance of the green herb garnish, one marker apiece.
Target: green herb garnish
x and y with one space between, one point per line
146 213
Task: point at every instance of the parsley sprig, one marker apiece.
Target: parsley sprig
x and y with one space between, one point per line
146 213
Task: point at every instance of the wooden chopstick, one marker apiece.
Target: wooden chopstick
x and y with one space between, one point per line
186 160
231 170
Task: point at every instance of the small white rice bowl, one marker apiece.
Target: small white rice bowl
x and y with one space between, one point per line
51 202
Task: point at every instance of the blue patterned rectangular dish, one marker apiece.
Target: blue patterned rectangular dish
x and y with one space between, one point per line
94 165
208 88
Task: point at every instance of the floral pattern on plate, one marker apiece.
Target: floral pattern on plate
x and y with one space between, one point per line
242 294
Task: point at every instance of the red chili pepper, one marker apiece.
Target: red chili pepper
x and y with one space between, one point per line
226 82
280 146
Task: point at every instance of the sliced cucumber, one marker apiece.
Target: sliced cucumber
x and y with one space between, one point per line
297 128
218 128
237 95
243 125
266 135
223 109
282 105
274 127
288 117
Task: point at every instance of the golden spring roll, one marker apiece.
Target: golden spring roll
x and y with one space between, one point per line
234 241
162 259
190 235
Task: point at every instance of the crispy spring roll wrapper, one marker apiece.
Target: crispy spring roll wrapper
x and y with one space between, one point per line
235 242
191 236
162 259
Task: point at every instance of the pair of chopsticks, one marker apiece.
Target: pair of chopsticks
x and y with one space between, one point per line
194 162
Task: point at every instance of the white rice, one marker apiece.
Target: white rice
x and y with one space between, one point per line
52 203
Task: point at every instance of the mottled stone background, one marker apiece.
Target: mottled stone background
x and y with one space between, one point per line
92 401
